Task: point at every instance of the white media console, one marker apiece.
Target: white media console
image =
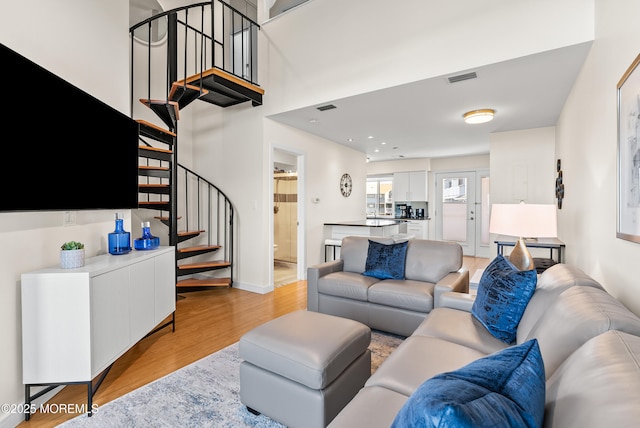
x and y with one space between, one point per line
77 322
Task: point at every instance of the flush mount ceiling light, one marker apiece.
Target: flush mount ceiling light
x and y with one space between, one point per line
479 116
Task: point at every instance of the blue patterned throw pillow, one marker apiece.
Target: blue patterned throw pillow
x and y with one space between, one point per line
504 389
503 295
386 261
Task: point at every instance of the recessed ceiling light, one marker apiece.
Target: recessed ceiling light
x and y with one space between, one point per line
383 143
313 120
350 140
370 137
376 150
479 116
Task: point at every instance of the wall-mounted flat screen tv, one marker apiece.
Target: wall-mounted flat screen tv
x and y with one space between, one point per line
62 148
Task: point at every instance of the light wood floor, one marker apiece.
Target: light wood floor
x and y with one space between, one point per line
206 321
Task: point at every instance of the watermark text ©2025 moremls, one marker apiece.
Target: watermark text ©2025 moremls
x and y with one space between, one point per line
74 408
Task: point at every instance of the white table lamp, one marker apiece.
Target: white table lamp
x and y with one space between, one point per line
524 221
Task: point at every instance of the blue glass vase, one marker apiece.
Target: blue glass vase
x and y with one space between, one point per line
147 241
119 239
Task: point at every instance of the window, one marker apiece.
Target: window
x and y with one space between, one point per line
380 196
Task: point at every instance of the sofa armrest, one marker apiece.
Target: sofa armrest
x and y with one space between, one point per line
459 301
454 281
314 273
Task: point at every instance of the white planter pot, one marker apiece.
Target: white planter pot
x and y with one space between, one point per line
71 259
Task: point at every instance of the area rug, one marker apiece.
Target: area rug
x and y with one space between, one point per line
203 394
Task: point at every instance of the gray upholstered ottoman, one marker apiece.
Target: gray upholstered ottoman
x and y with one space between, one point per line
301 369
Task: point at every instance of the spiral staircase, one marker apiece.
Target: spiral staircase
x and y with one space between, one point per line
208 54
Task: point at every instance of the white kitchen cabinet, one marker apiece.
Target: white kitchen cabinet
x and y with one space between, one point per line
410 186
77 322
419 229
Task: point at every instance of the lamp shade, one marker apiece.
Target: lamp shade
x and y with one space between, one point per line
524 220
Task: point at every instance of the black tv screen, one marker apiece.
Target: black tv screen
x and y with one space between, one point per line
63 149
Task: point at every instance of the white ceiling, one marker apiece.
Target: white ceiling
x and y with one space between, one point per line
424 118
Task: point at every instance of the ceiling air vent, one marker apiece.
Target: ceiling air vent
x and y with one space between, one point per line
326 107
461 77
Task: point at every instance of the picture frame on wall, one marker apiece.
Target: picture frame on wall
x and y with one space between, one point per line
628 101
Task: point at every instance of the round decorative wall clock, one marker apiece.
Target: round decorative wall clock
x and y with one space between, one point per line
345 185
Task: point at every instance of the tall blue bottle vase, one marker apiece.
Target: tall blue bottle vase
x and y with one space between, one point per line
119 239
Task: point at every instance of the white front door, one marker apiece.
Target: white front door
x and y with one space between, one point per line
462 210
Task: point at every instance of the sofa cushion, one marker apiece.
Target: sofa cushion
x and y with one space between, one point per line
430 261
598 385
386 261
459 327
372 406
419 358
551 283
405 294
577 315
502 296
349 285
504 389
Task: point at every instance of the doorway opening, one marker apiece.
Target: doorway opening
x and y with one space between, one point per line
285 218
462 210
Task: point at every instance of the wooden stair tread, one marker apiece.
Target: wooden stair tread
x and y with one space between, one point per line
210 264
209 282
155 149
165 218
151 167
153 203
158 185
189 232
223 74
181 84
198 248
156 127
163 103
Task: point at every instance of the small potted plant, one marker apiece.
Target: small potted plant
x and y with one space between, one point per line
71 255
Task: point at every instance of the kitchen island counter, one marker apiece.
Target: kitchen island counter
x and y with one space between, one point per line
375 227
369 227
370 222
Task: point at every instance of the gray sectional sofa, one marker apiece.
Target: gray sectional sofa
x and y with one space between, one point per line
589 342
398 306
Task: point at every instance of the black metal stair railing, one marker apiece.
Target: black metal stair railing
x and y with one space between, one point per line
166 76
206 209
205 213
200 37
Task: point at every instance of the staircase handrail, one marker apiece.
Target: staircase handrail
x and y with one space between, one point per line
229 240
214 41
205 180
178 9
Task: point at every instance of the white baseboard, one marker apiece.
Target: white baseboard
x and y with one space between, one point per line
253 288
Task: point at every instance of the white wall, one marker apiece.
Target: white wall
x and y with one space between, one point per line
230 153
324 164
85 43
523 166
586 143
331 49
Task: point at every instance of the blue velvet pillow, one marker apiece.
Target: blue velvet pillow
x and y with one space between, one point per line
503 295
386 261
504 389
